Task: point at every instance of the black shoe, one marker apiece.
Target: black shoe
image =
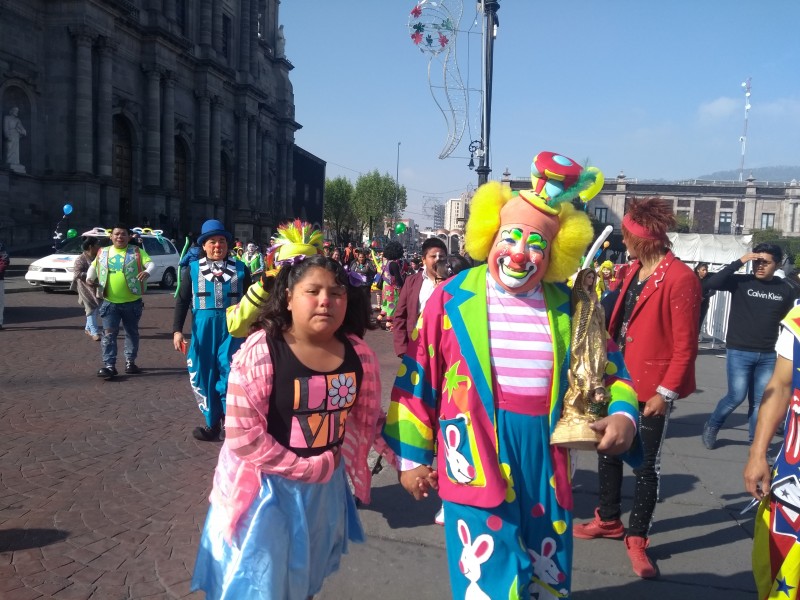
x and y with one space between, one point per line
207 434
131 368
107 372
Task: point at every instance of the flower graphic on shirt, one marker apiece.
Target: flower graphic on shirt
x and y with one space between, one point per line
343 390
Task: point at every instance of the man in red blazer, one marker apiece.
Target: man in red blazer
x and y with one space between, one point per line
655 323
415 292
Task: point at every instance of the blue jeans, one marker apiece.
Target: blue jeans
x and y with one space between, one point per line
91 322
129 313
748 374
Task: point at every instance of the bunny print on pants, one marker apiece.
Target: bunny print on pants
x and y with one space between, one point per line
546 573
473 556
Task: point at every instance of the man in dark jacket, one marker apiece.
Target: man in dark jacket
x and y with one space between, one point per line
759 301
415 292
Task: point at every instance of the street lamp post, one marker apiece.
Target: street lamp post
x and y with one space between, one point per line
490 8
743 137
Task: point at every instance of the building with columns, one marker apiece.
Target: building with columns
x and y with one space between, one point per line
160 113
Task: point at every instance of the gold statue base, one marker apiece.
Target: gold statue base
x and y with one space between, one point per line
575 433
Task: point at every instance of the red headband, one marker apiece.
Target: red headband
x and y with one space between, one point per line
640 230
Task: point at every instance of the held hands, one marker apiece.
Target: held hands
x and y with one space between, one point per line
617 431
143 275
419 481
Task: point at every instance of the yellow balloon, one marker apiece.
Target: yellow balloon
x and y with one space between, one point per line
606 244
593 189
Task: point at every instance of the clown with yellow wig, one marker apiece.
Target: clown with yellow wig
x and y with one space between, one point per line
484 378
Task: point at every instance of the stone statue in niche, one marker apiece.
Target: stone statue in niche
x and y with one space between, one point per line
12 132
280 44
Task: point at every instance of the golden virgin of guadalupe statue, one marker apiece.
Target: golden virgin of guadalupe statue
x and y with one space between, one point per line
586 400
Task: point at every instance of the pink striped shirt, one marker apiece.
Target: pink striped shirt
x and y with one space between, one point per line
521 349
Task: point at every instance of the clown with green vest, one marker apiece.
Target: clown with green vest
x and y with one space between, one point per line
121 271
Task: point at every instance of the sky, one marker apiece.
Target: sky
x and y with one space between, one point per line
651 89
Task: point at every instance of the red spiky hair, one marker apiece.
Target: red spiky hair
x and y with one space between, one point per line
654 214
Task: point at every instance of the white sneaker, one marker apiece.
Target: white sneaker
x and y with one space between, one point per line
439 518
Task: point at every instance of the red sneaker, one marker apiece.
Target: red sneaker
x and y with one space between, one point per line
599 528
642 565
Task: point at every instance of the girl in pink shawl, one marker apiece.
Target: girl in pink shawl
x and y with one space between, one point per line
303 410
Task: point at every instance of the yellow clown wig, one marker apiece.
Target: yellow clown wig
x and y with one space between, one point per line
549 174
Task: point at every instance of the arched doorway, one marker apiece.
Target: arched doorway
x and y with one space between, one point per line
181 187
122 167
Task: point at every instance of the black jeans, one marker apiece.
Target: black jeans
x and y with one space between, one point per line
652 431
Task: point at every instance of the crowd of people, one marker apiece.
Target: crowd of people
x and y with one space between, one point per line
493 356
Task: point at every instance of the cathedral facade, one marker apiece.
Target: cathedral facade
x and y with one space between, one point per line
157 113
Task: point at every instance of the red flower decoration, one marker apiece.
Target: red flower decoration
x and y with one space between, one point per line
443 40
416 37
416 12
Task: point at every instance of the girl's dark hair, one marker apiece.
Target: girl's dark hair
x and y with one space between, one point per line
699 266
275 317
393 250
88 242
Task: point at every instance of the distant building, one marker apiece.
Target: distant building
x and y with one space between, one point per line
438 216
455 213
724 207
308 187
162 113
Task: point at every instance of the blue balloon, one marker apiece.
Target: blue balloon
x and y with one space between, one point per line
67 209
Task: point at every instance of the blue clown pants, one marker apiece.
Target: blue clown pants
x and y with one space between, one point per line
209 361
523 547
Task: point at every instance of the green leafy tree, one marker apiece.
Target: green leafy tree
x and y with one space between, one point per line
766 236
338 209
683 224
375 198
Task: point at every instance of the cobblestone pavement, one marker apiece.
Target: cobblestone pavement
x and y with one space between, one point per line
102 487
103 490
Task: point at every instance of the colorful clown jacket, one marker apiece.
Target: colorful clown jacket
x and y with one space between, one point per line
445 378
776 537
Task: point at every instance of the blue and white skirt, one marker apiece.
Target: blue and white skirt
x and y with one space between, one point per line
289 540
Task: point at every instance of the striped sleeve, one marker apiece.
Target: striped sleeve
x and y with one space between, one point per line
620 386
364 424
247 404
241 316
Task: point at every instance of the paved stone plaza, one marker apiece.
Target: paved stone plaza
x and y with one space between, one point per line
103 489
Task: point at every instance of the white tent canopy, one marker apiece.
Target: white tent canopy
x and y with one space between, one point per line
716 250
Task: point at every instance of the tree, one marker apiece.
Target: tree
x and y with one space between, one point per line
683 224
338 208
766 236
375 198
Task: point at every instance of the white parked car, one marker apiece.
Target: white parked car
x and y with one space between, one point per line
54 272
